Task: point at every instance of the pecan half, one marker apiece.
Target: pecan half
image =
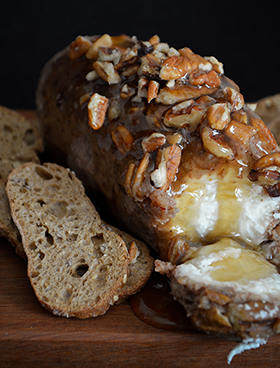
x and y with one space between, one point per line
210 79
175 67
97 108
197 61
215 144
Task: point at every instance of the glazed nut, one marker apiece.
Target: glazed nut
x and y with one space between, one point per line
214 144
170 96
97 108
153 142
92 75
175 67
218 116
109 54
239 132
210 79
169 160
135 177
104 40
217 65
152 90
266 161
240 116
265 134
79 47
234 98
133 253
106 71
122 138
197 61
154 40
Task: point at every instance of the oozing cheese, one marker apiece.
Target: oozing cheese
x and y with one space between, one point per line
211 207
227 264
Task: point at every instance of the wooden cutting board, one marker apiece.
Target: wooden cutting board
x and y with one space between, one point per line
31 337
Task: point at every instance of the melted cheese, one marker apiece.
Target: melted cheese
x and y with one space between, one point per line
212 207
227 264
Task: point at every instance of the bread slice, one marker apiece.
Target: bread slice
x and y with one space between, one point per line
75 265
20 141
8 229
140 266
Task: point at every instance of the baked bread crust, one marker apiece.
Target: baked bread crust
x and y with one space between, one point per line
75 265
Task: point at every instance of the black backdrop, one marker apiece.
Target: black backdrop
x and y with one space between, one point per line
244 35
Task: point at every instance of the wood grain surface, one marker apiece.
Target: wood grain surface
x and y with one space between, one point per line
31 337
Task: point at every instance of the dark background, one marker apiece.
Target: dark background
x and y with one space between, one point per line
244 35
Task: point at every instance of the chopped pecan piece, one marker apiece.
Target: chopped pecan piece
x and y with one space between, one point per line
175 67
215 144
269 160
169 160
268 141
153 142
122 138
170 96
217 65
106 71
133 253
79 47
104 40
197 61
234 97
97 108
112 54
152 90
154 40
218 116
239 132
210 79
135 177
150 66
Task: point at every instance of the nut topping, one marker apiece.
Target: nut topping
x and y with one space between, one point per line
97 108
268 141
79 47
234 98
133 253
122 139
153 142
210 79
152 90
218 116
169 159
175 67
171 96
107 72
215 144
104 40
135 177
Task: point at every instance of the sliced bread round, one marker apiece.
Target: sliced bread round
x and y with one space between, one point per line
76 266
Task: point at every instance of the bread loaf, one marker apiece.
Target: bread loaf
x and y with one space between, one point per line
183 162
75 265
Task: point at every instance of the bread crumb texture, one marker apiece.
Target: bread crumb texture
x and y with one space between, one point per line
75 264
